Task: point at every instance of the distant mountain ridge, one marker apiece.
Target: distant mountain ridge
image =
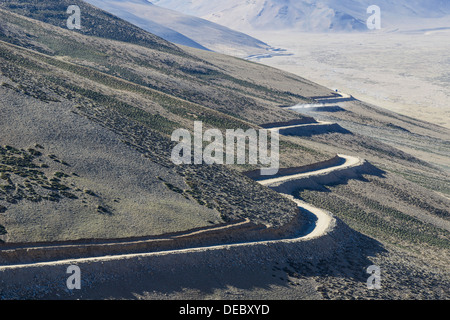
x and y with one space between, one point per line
311 15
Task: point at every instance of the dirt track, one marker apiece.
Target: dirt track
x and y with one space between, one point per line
323 224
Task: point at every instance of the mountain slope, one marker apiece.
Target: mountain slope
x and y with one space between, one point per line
175 71
70 86
54 12
85 157
313 16
183 29
147 24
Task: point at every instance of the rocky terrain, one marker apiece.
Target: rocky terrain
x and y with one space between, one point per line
85 158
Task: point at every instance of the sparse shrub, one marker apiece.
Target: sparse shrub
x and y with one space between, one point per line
60 174
68 195
34 152
101 209
173 188
91 193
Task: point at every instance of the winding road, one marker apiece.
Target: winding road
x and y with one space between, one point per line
318 123
348 162
325 101
323 223
324 219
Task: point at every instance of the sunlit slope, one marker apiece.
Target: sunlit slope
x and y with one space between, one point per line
93 118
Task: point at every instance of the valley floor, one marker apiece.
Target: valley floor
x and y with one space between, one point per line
403 72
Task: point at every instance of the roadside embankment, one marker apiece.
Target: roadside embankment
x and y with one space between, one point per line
13 254
335 161
34 281
195 250
352 168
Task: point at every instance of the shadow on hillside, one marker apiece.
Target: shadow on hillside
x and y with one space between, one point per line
330 109
204 280
336 100
362 174
349 263
331 95
314 130
345 255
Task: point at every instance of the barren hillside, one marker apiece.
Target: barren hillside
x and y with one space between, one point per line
86 120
